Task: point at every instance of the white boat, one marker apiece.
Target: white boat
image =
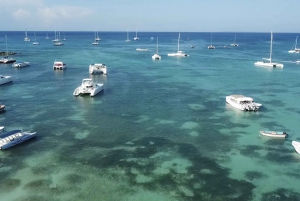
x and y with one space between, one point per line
268 62
6 59
5 79
298 62
127 40
211 46
2 108
1 129
57 41
59 65
95 41
234 44
136 37
156 56
97 36
26 39
277 134
47 37
14 137
88 87
35 42
20 64
97 68
142 49
242 102
296 146
178 53
295 50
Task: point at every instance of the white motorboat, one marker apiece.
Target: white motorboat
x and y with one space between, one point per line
88 87
296 145
26 39
295 49
269 63
14 137
2 108
136 37
156 56
179 53
242 102
142 49
5 79
277 134
59 65
20 64
97 68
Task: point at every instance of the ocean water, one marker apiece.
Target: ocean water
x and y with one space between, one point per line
160 130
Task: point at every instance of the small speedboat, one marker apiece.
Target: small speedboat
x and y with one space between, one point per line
2 108
277 134
5 79
88 87
59 65
20 64
296 146
14 137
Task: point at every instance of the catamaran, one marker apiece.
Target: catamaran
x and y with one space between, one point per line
179 53
269 63
295 50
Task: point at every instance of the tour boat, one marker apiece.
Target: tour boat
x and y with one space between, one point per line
242 102
88 87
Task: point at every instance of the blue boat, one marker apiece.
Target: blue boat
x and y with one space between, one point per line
14 137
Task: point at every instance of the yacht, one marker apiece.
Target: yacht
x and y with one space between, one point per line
59 65
178 53
5 79
295 50
20 64
136 37
88 87
14 137
2 108
97 68
268 62
156 56
26 39
234 44
211 46
242 102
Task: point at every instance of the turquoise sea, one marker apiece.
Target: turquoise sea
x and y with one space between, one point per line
160 130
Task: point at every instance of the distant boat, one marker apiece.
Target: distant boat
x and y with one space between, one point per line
26 39
142 49
35 42
295 50
136 37
6 59
5 79
59 65
179 53
2 108
156 56
95 41
296 145
57 41
47 37
270 63
64 37
211 46
234 44
20 64
97 68
127 40
88 87
274 134
97 37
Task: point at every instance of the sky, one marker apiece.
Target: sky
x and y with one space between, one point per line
151 15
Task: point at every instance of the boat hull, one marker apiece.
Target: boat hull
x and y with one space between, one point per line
296 145
97 68
5 79
244 107
13 138
268 64
274 134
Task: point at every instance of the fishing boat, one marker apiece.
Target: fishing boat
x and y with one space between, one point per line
156 56
20 64
295 49
97 68
14 137
268 62
242 102
296 145
277 134
179 53
88 87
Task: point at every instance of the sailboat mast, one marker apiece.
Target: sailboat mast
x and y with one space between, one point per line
156 45
178 41
271 46
6 45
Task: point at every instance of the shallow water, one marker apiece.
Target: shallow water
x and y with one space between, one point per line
160 130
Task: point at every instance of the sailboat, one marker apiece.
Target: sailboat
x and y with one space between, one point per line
6 59
26 37
211 46
295 50
127 40
35 42
136 37
95 42
178 53
270 63
234 44
57 40
97 37
156 56
47 37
